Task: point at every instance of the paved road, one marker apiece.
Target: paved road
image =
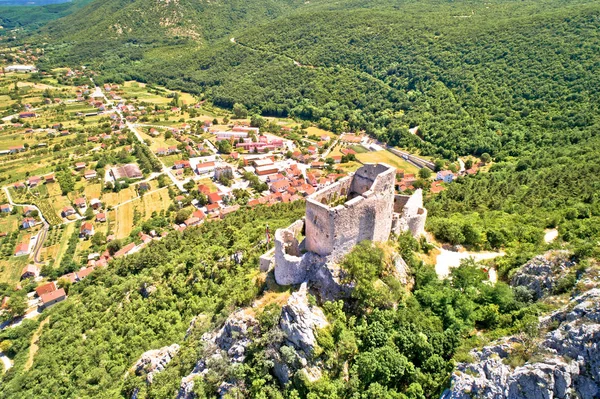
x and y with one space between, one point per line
330 148
413 159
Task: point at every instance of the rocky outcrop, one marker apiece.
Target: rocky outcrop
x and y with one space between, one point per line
567 360
299 321
293 343
541 273
402 271
154 361
227 344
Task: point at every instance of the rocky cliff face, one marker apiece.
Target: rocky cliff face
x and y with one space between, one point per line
294 340
227 344
541 273
299 323
565 363
154 361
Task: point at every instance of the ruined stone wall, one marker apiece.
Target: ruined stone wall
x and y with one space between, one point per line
410 214
373 177
336 190
366 216
288 257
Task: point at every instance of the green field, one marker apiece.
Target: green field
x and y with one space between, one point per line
389 158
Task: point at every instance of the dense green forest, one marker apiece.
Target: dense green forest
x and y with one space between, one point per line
512 79
29 18
92 339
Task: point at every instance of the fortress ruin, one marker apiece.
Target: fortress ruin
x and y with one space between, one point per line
359 207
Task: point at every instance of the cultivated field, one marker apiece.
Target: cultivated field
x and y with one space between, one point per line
387 157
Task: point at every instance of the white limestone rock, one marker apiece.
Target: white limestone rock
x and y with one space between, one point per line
154 361
542 272
299 321
569 366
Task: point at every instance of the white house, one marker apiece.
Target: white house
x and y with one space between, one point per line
445 175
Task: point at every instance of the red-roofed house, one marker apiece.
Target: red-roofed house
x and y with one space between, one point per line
83 273
90 174
126 250
280 186
436 187
53 297
30 271
79 202
198 214
210 208
27 223
206 167
214 198
204 189
181 164
86 230
46 288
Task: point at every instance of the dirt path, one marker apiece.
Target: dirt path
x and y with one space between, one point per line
33 348
449 259
7 362
300 65
550 235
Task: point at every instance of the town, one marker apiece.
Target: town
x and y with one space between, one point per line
93 172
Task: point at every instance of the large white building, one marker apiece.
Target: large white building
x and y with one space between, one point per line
21 68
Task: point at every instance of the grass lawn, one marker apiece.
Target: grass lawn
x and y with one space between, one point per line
10 270
208 182
389 158
156 201
359 149
93 190
146 205
9 223
124 219
112 199
320 132
157 142
348 166
68 233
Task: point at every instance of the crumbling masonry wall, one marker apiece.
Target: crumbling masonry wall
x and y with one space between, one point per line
355 208
366 215
410 215
288 256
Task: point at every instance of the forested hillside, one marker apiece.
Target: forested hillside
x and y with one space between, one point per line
92 340
517 80
30 18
